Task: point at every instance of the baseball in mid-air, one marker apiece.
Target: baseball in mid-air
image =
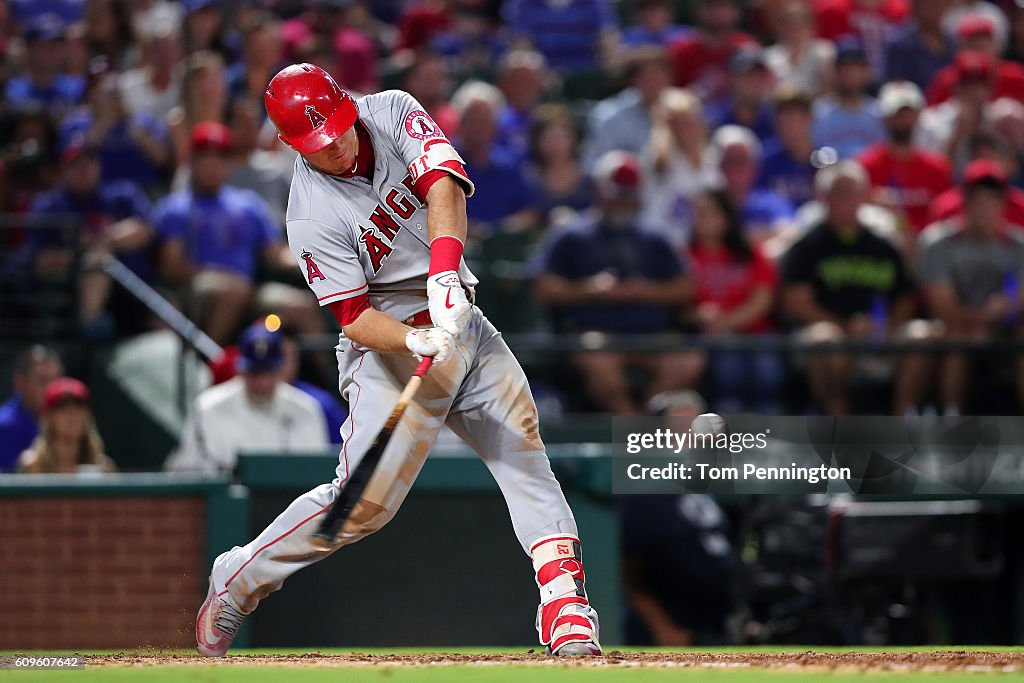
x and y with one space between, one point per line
708 423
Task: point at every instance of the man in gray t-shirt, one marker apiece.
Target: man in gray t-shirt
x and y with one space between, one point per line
971 267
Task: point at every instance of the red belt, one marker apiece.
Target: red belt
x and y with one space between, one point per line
421 319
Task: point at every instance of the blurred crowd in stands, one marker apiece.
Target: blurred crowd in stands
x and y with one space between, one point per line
46 426
831 169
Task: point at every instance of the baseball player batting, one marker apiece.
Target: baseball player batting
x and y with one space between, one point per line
377 221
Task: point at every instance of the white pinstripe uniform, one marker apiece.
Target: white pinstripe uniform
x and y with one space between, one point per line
353 236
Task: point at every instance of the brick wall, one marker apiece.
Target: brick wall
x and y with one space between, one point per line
100 572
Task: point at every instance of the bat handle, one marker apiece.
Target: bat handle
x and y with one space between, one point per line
424 365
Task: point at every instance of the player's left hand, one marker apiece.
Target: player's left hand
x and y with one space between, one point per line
446 299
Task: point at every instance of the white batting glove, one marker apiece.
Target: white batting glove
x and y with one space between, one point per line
432 341
449 307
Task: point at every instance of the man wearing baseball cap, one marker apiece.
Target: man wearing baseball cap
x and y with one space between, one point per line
972 267
985 145
748 95
256 409
214 239
584 275
44 84
846 119
976 34
904 177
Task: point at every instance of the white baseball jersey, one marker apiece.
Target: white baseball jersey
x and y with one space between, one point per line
353 237
349 241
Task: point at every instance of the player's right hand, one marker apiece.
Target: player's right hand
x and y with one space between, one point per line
432 341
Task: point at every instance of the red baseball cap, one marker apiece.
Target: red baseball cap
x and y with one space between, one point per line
974 25
985 170
211 136
66 388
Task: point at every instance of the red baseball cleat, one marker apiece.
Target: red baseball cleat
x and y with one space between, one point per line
216 624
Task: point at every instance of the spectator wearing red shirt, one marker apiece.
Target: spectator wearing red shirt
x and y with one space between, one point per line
976 33
874 22
735 294
702 59
950 203
904 177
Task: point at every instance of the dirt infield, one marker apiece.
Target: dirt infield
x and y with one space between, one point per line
943 660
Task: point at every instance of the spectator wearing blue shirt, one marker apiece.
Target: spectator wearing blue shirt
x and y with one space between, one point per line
43 84
923 48
215 237
132 145
848 120
623 121
34 368
653 25
765 212
501 200
523 78
609 275
111 219
749 92
788 167
575 36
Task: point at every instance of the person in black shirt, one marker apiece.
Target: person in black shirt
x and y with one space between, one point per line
842 281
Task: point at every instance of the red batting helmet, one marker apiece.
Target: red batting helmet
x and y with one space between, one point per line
308 108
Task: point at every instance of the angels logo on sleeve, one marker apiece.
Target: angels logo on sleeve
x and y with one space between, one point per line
419 125
312 270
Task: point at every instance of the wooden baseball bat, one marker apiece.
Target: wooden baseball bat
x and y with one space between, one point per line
330 526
